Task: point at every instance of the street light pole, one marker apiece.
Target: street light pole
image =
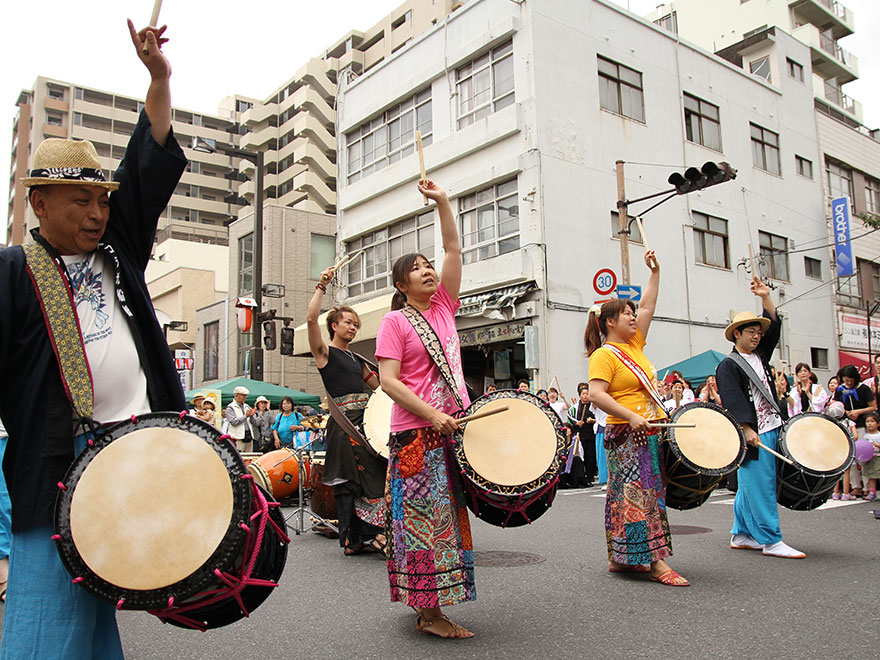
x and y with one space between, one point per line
257 353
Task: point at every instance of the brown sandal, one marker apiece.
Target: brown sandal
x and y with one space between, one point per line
456 632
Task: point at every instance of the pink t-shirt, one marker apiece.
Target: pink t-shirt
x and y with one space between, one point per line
397 340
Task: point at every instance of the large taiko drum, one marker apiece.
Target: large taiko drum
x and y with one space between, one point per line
277 472
698 458
322 500
822 451
511 461
377 421
159 514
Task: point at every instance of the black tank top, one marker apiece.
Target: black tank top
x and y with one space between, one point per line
342 374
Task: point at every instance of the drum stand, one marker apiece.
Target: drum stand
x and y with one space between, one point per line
299 525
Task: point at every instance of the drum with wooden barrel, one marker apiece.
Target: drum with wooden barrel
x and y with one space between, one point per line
377 421
277 472
159 514
698 458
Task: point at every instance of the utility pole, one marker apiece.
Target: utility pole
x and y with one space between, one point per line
623 218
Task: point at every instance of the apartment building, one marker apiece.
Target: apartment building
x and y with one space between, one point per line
205 200
295 126
849 164
525 143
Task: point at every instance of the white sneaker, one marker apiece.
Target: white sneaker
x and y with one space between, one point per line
744 542
780 549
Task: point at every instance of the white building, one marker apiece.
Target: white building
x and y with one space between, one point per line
524 109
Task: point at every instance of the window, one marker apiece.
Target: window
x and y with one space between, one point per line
795 70
246 265
773 250
813 268
54 118
635 236
710 241
389 137
321 254
245 344
872 195
803 166
761 68
840 180
620 90
819 358
489 222
372 271
668 22
485 85
765 149
56 93
702 122
849 290
869 273
212 351
78 93
77 119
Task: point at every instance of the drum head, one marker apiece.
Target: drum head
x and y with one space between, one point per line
511 448
817 443
714 443
151 508
377 421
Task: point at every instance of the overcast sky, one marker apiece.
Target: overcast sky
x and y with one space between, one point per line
223 47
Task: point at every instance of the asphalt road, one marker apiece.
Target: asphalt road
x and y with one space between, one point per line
741 604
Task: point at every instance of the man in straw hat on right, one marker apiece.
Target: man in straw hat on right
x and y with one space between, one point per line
80 347
749 394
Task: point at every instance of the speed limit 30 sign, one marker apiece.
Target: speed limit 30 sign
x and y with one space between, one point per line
604 281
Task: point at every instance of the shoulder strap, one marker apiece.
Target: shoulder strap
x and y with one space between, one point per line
639 373
432 344
740 361
59 314
348 427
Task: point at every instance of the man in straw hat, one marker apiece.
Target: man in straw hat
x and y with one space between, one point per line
80 347
747 389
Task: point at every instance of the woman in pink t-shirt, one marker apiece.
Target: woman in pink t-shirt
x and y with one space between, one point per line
430 551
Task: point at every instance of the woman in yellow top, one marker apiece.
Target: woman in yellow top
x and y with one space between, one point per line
636 527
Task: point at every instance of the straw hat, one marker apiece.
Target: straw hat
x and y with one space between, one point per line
261 398
197 396
72 162
745 318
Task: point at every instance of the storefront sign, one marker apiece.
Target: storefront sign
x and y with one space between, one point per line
846 265
854 332
858 360
492 334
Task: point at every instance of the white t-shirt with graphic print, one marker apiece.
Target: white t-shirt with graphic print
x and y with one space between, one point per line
119 382
768 418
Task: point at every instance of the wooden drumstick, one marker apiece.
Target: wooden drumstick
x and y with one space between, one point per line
776 454
346 259
481 414
422 161
154 19
671 425
752 261
642 232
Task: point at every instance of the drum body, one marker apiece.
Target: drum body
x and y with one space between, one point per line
697 459
377 421
323 502
159 514
277 472
822 450
510 462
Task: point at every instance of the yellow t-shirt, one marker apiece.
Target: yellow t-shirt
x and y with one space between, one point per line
623 385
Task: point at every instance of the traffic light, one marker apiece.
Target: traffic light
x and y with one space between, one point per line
696 179
269 337
286 341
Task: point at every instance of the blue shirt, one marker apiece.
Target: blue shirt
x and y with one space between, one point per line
282 425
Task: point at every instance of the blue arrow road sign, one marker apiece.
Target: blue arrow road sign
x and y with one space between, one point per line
629 292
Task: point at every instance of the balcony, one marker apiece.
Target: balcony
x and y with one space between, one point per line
828 58
830 93
825 12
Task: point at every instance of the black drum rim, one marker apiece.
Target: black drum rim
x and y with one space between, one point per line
537 484
717 472
227 550
782 446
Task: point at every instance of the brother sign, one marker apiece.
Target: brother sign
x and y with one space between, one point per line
846 265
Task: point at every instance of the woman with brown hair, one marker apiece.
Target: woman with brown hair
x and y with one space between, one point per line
430 552
621 384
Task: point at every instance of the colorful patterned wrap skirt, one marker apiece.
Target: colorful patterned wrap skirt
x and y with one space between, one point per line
430 552
636 527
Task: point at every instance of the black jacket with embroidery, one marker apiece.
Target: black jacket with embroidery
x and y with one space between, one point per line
735 387
33 403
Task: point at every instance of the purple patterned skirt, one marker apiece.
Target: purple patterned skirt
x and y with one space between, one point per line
430 552
636 527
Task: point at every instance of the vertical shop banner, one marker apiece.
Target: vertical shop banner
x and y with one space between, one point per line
846 265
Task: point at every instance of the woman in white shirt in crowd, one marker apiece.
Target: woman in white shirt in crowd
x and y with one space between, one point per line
806 395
